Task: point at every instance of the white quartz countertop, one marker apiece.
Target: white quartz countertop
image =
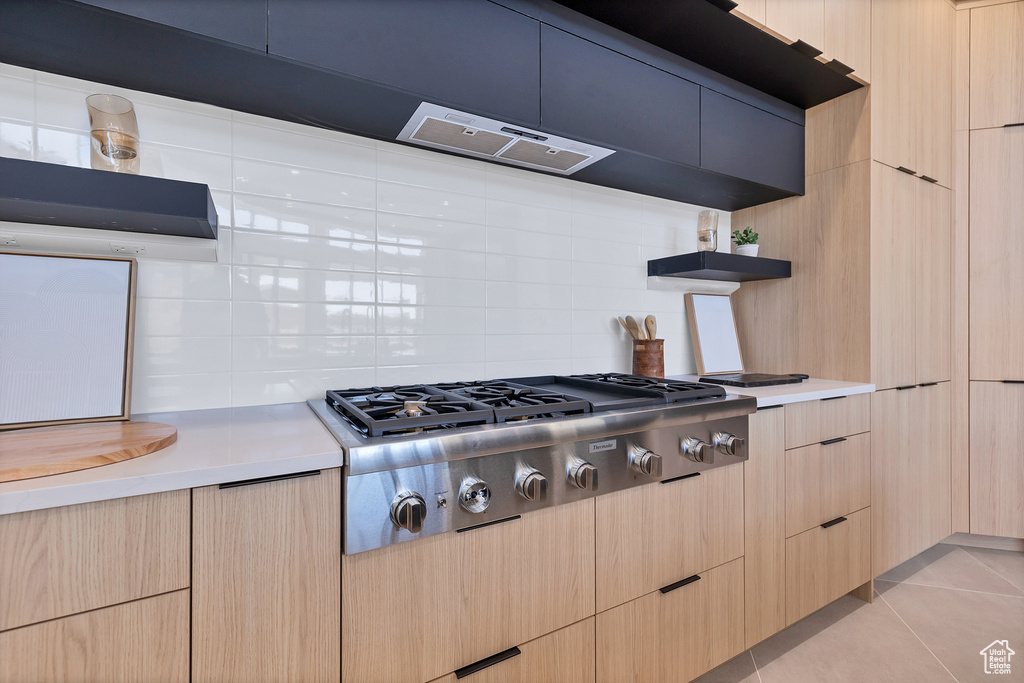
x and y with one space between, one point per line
781 394
213 447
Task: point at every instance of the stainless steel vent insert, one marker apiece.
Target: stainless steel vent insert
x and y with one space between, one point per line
457 136
542 155
478 136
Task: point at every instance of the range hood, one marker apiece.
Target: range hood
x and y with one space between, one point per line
456 131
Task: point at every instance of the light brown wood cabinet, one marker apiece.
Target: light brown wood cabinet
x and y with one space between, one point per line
996 254
910 279
827 480
764 551
447 601
823 564
997 74
565 656
912 86
910 473
674 636
997 459
66 560
142 640
266 580
811 422
651 536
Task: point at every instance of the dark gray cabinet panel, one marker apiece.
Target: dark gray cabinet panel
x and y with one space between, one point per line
243 22
591 93
745 142
465 53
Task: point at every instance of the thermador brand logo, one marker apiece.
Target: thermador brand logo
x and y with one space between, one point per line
599 446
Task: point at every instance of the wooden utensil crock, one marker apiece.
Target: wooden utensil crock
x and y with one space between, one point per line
649 357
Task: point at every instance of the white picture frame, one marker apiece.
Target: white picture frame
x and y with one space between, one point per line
716 344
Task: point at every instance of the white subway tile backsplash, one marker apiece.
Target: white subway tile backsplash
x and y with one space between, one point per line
295 284
526 217
429 349
433 172
419 320
16 139
430 291
519 243
305 352
296 149
291 217
312 253
267 319
344 261
413 260
182 318
429 203
18 101
395 228
303 184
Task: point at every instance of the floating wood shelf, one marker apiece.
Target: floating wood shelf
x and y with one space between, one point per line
52 194
713 265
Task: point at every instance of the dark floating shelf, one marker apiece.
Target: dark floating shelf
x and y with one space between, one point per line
703 31
713 265
52 194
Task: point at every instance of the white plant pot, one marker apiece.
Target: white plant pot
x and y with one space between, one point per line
747 249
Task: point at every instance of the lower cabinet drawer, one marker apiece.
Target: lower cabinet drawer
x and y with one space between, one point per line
826 480
814 421
824 564
675 635
143 640
566 656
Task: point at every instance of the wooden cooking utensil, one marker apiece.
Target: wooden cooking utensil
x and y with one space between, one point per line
634 326
626 327
651 323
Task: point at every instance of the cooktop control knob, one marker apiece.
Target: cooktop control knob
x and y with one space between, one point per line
583 475
727 443
699 451
645 461
475 495
408 511
531 485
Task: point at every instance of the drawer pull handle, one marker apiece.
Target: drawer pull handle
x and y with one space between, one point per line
909 386
905 170
1013 125
928 179
685 476
833 398
481 526
679 584
1013 381
833 522
827 442
265 480
763 408
929 384
473 668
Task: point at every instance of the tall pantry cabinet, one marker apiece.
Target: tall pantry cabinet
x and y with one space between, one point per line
870 244
995 277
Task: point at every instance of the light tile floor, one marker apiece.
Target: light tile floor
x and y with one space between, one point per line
931 618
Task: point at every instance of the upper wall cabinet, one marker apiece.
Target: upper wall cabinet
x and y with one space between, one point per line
471 54
591 93
739 140
912 86
243 22
997 56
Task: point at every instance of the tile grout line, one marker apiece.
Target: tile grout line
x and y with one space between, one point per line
756 669
1004 578
898 616
951 588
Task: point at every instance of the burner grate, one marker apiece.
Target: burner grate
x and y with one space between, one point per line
382 411
512 401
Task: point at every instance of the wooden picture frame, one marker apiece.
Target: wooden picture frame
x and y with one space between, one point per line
129 292
708 330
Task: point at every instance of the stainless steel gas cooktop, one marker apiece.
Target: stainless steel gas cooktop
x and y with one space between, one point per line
429 458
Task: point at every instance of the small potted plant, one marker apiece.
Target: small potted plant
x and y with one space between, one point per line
746 241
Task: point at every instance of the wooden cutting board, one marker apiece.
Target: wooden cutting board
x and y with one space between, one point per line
41 451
